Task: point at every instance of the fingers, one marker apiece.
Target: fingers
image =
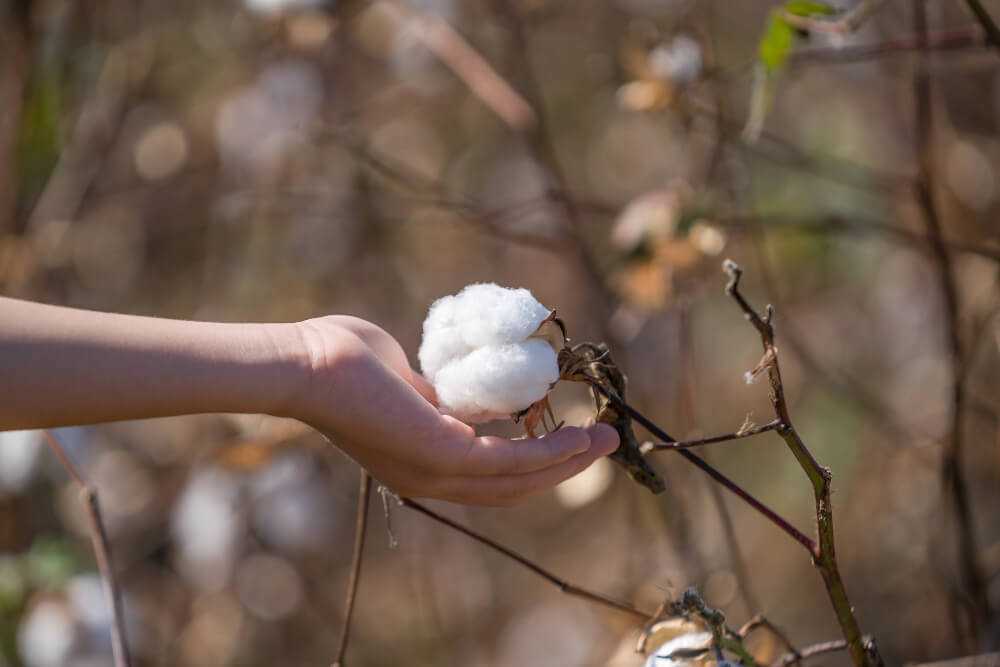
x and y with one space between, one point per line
424 388
505 490
489 455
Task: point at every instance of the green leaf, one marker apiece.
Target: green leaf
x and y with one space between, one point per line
779 36
51 562
776 44
39 141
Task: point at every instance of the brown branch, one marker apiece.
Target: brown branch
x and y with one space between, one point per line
360 531
836 380
727 437
953 477
760 621
947 40
824 554
102 551
778 520
986 21
793 658
561 584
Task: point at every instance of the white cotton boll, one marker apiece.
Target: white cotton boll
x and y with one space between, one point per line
496 381
478 353
490 315
443 339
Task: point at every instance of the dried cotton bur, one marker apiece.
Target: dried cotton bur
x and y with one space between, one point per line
493 353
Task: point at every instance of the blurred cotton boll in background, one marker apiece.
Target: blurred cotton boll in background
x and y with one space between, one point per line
18 458
258 127
480 353
46 637
679 61
586 487
207 525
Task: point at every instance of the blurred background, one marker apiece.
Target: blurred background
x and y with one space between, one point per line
272 160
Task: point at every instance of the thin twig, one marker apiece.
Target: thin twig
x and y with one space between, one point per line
561 584
845 24
102 551
953 476
360 531
715 474
946 40
761 621
824 553
986 21
809 651
727 437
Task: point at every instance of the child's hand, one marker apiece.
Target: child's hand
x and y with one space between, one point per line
363 394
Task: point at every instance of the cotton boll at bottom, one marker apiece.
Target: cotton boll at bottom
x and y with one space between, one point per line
496 381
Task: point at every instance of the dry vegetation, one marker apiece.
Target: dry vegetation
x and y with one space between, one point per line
277 160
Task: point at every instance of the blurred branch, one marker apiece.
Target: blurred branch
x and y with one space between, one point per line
98 125
849 225
833 375
847 23
688 377
778 150
542 145
986 21
360 531
945 40
102 551
468 65
15 56
953 476
428 192
556 581
824 555
737 435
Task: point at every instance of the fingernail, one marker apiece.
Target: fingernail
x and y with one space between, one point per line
603 439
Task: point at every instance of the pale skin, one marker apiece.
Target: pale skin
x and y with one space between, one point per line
344 376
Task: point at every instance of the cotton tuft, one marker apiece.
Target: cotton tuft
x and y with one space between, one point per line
478 352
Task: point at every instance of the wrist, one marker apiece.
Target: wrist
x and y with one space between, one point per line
284 364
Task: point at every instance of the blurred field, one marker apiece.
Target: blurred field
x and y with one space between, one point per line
275 160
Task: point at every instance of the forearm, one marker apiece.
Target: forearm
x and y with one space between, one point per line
61 366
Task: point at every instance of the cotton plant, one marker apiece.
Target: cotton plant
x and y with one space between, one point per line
494 352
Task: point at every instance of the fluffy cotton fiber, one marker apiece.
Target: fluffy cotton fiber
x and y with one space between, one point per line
478 352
